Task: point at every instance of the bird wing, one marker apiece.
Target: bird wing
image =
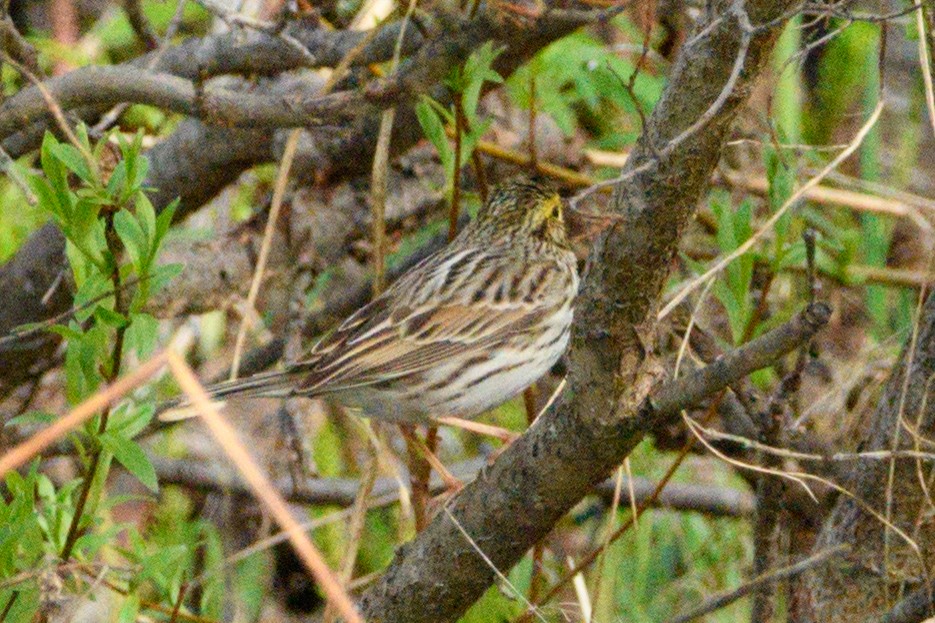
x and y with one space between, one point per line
444 309
410 341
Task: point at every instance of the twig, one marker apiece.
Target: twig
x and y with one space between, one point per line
533 155
769 578
455 208
178 603
356 526
9 606
199 475
791 201
20 333
926 60
140 24
26 450
378 199
13 43
262 488
50 103
8 166
121 304
280 190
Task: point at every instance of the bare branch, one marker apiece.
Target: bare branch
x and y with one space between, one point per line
140 24
106 86
596 422
769 578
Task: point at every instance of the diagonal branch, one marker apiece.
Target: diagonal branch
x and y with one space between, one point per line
542 475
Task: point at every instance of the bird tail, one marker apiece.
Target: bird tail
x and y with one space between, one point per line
266 385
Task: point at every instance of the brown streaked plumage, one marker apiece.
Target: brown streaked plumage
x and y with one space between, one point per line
464 330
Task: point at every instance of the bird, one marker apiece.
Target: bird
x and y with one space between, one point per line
461 332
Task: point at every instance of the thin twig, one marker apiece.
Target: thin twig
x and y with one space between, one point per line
23 452
121 306
285 166
769 578
140 24
262 488
356 526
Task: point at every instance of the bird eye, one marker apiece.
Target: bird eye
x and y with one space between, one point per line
555 212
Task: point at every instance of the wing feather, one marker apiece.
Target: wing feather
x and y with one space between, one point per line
427 317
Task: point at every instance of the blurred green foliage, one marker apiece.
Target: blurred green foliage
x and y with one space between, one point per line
667 563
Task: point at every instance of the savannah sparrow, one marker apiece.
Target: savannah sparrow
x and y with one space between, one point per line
464 330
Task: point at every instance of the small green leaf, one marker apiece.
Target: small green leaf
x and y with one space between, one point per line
31 417
75 161
142 333
129 454
132 420
434 129
134 239
163 223
160 276
109 317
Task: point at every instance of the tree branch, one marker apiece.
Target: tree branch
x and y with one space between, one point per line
200 474
897 490
513 504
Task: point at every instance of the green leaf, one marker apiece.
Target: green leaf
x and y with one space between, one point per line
75 161
146 216
94 287
108 317
478 70
163 223
434 130
129 454
31 417
142 333
129 420
134 238
161 275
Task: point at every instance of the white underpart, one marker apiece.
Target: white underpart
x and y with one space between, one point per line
498 388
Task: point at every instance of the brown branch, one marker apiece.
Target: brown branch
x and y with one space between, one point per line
203 475
13 43
723 600
597 421
140 24
105 86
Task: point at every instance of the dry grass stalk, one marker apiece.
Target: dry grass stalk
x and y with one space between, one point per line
263 489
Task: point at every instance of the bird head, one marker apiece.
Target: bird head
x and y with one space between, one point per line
524 208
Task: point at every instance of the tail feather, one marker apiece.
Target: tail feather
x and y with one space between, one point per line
266 385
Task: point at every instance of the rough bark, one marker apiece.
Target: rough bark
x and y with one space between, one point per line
542 475
883 567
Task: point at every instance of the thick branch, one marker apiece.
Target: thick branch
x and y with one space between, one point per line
542 475
199 474
898 490
105 86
